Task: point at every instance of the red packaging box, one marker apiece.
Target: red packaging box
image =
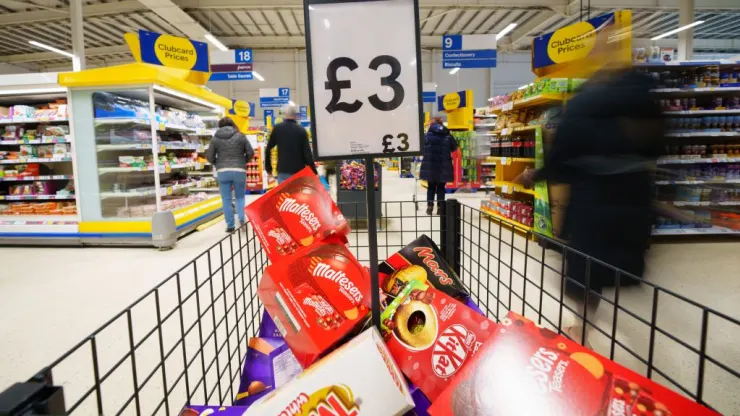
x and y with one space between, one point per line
316 297
297 213
432 336
527 370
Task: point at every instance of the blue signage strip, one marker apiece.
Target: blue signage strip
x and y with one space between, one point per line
483 58
174 52
429 97
231 76
303 112
243 56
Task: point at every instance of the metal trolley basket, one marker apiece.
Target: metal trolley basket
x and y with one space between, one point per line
184 340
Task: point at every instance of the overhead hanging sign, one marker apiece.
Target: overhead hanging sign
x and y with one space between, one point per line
429 94
579 41
469 51
174 52
364 79
274 97
242 108
231 65
303 112
269 117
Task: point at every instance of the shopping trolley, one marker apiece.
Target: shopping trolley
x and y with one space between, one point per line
184 340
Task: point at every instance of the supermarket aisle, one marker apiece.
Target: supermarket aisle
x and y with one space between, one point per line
74 291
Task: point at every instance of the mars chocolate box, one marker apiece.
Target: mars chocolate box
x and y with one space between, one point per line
316 297
297 213
526 370
431 335
420 260
360 379
268 364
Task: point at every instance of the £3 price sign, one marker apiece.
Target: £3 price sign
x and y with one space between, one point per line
364 79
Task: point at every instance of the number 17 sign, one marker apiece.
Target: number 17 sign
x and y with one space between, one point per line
364 68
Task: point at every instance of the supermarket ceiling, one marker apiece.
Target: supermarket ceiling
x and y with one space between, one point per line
278 24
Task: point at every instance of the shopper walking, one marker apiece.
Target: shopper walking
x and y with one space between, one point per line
436 168
294 152
229 152
605 149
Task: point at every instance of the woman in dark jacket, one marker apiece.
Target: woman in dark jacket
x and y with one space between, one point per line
436 168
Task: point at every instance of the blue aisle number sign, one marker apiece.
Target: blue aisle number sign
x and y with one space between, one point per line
469 51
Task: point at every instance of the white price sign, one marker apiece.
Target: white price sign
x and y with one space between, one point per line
365 83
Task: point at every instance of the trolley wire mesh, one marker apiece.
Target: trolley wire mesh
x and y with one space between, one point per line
184 340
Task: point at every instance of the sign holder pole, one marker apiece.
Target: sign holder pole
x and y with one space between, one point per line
372 234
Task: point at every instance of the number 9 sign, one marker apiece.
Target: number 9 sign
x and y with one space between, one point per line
364 80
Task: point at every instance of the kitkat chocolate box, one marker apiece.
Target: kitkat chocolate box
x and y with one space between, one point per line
527 370
297 213
432 336
269 364
316 297
358 379
422 261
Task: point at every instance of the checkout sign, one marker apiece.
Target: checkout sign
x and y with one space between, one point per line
365 86
173 52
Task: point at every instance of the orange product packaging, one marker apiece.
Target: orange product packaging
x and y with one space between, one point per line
527 370
317 297
432 336
297 213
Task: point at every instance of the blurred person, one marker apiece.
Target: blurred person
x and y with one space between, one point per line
294 151
605 148
229 153
436 167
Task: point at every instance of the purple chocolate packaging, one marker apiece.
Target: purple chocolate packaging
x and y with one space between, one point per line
421 403
269 364
213 410
268 329
470 303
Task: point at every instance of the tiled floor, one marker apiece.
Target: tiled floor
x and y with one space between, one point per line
53 299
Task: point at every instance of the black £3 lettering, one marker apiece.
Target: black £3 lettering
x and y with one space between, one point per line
387 144
337 86
389 81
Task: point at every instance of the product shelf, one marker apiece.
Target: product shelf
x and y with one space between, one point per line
493 160
695 231
699 182
162 169
36 197
509 187
35 178
163 191
703 112
533 101
163 147
44 140
677 161
33 121
704 134
488 212
37 219
35 160
695 90
702 203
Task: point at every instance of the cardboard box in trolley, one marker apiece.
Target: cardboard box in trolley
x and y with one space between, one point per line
527 370
360 378
432 336
316 298
297 213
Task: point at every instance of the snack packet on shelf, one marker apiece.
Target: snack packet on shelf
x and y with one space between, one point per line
360 378
432 336
316 298
420 260
297 213
527 370
268 364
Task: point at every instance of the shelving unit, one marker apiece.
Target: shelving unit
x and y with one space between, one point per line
37 171
701 164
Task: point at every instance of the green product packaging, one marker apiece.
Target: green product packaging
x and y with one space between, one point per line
557 85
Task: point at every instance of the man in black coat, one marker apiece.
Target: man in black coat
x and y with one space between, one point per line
294 152
436 168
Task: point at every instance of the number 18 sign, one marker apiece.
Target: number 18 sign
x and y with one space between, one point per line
364 68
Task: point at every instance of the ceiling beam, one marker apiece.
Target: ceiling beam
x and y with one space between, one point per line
51 56
175 16
98 9
536 24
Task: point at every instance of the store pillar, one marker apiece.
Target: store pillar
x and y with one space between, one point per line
78 35
685 37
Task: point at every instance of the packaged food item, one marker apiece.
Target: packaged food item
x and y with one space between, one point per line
213 410
316 298
526 370
432 336
297 213
421 403
420 260
268 329
268 364
360 378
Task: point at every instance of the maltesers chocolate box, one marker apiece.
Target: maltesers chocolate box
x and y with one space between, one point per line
268 364
316 298
527 370
360 378
297 213
422 261
432 336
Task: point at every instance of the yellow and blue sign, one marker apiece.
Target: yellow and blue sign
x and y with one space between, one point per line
570 43
452 101
269 117
241 108
174 52
469 51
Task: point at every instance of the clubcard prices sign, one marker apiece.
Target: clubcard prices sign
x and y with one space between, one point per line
174 52
364 81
